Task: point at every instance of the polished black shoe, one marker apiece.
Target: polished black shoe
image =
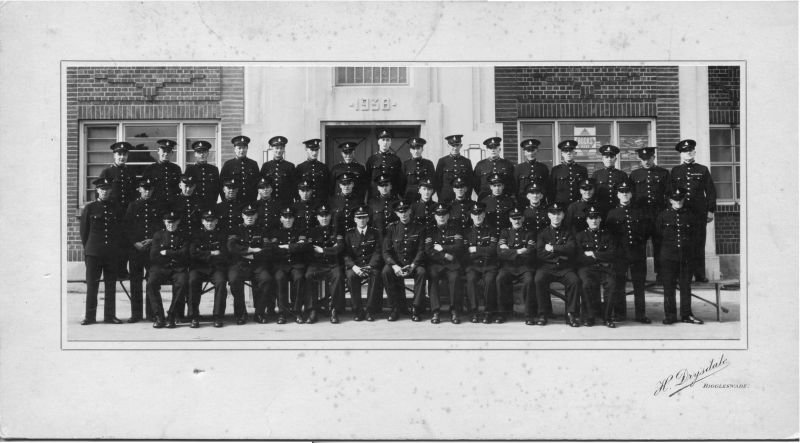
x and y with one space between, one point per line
610 324
435 318
358 315
589 322
692 319
181 319
500 319
415 317
475 318
393 316
112 320
88 321
312 317
171 322
334 316
369 316
572 320
262 319
298 318
454 318
195 323
541 321
217 322
159 323
281 319
644 320
134 319
529 321
241 320
669 320
487 318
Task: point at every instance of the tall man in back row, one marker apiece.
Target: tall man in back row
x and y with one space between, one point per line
492 166
243 169
453 166
280 172
651 188
566 177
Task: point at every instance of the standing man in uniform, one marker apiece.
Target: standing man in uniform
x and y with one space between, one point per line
404 254
416 169
142 220
609 177
350 165
314 171
280 171
516 249
325 266
123 190
205 175
208 255
187 204
250 249
305 208
577 211
675 226
460 204
385 162
229 209
492 166
363 260
498 204
344 204
269 210
422 209
451 167
381 206
481 245
530 171
565 177
701 201
167 175
651 188
243 169
101 229
555 250
169 262
444 249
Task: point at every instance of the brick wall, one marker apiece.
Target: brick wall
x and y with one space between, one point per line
589 92
726 231
146 93
723 109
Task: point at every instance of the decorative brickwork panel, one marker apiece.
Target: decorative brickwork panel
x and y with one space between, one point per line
723 95
174 83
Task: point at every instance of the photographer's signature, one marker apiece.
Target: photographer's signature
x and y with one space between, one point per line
685 378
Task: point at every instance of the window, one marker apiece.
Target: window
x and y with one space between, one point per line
590 135
724 150
366 75
98 137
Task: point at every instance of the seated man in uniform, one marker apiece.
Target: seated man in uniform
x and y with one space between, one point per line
169 262
209 262
250 248
597 263
555 251
444 246
363 259
481 245
403 253
516 250
325 266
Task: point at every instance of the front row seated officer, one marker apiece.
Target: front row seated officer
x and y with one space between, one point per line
403 253
516 250
555 249
481 245
250 247
597 265
444 247
363 259
209 262
169 262
674 226
325 266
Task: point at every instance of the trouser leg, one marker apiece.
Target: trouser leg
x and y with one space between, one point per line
137 264
609 284
435 272
375 291
420 277
698 264
282 282
638 274
393 285
196 279
298 285
529 294
153 286
571 284
541 282
456 293
93 273
237 276
669 277
354 285
179 281
684 282
336 279
505 289
590 290
261 282
109 267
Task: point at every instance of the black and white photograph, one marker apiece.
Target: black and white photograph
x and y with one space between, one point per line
399 220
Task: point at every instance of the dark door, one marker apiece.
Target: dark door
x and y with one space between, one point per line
367 142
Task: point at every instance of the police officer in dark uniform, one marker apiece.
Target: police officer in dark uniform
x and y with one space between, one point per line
555 252
350 165
280 171
516 249
381 206
325 266
609 177
344 204
489 167
206 176
289 264
101 228
169 262
535 213
597 266
460 204
123 177
305 208
480 243
416 169
630 226
250 248
422 209
565 177
229 209
243 169
314 171
404 255
498 204
142 220
675 226
363 260
701 201
530 170
451 167
444 249
208 254
577 211
651 188
188 204
166 174
384 162
269 210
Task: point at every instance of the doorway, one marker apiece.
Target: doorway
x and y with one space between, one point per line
367 142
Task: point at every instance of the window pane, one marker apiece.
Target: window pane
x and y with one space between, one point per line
722 174
359 75
367 75
632 135
590 136
340 76
720 137
721 154
542 132
144 138
103 158
101 132
201 132
403 75
384 75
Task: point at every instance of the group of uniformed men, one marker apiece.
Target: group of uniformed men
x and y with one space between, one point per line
283 229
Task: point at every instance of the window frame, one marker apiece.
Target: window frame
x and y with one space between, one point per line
336 84
732 164
614 132
180 154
